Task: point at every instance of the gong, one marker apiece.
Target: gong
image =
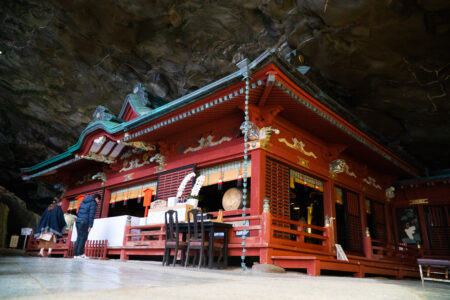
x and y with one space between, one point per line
232 199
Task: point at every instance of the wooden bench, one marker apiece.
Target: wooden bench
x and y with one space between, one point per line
435 267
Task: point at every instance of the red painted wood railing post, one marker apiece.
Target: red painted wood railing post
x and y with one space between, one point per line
367 244
123 254
267 227
105 250
327 243
266 252
300 237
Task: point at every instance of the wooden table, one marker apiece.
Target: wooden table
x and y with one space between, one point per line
211 227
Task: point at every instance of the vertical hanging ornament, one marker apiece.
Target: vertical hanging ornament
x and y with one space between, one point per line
243 66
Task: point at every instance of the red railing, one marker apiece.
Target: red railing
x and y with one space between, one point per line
253 230
146 235
383 249
62 246
261 231
96 249
299 235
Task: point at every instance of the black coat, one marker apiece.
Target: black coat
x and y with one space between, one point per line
51 221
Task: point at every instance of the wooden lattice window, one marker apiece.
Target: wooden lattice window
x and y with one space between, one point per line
380 221
354 230
101 192
277 188
168 182
438 219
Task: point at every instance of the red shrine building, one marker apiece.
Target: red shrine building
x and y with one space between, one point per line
314 178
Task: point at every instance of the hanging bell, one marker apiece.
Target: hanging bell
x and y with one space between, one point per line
113 204
125 202
219 185
239 181
139 199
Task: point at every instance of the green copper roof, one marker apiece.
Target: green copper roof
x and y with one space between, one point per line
139 102
108 126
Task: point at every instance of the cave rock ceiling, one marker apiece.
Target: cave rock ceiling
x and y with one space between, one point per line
387 61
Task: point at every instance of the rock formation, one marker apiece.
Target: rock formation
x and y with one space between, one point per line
386 61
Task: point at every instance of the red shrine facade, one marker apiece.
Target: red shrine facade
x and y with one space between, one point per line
314 179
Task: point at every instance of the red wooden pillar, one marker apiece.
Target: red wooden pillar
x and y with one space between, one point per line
258 187
329 209
367 241
389 222
105 208
394 224
423 229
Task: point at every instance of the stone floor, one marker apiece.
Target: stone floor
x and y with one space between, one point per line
60 278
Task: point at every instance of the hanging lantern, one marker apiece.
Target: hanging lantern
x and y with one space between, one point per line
219 184
239 181
139 196
113 204
125 199
316 187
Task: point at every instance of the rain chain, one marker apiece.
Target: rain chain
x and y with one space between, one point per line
244 196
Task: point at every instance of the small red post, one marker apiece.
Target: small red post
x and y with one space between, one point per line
327 243
367 245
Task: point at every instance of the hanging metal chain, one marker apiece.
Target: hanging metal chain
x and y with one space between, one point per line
244 203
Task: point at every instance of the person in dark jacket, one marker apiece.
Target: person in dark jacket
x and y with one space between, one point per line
84 223
50 225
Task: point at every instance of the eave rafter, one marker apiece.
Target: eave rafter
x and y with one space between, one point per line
268 88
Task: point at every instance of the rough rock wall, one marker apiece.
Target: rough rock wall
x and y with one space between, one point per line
19 216
385 60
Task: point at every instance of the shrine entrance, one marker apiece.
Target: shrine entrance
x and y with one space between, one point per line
306 200
348 221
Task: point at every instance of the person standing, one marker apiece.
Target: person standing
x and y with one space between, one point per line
84 223
50 225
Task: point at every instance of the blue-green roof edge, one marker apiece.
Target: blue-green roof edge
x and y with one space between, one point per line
162 110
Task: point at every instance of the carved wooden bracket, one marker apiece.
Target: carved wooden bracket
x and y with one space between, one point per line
262 116
333 152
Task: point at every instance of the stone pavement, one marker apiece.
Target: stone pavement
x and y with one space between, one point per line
60 278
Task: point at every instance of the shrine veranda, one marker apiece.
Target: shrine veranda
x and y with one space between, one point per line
325 181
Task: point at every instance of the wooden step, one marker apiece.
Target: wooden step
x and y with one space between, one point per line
359 267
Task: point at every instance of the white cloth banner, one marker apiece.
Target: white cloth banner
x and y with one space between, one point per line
111 229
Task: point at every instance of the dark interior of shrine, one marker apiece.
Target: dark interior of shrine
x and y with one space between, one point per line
131 207
210 197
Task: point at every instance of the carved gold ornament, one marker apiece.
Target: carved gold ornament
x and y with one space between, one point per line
98 157
207 142
139 145
340 166
297 145
372 182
